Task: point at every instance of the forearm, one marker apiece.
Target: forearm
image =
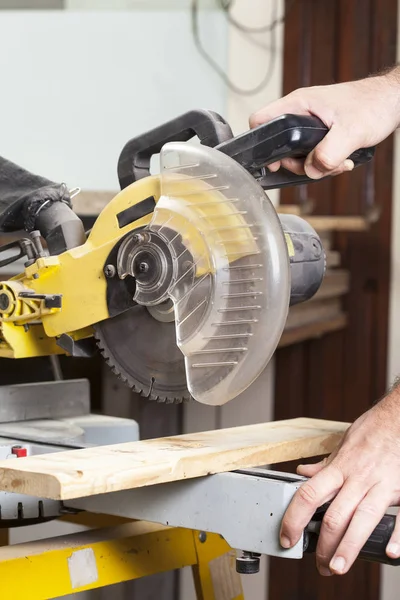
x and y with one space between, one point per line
386 85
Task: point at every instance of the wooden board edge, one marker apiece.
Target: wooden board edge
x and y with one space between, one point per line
21 477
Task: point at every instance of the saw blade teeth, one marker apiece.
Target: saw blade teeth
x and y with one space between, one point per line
134 385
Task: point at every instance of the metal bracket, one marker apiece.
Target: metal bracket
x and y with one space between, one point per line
244 507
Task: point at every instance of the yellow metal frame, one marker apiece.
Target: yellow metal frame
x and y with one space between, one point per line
130 550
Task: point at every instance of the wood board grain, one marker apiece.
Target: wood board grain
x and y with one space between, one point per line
90 471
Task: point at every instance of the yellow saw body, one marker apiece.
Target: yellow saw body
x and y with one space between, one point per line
77 274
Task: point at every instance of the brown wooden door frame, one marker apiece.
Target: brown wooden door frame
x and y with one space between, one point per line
340 375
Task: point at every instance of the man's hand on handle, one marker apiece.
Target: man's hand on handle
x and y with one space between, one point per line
359 114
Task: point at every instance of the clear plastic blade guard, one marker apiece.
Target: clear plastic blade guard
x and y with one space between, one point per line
231 283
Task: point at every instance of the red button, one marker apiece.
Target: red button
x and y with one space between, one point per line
19 451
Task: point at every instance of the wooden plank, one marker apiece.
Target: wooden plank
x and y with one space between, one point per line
322 223
312 330
91 202
338 223
335 283
289 209
327 222
333 259
80 473
311 312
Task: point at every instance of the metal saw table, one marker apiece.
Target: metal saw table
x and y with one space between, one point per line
130 534
218 524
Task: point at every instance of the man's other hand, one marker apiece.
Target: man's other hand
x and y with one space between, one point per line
362 479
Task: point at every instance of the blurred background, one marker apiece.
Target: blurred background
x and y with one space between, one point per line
81 77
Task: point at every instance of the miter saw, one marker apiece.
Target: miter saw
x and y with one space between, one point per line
185 279
184 284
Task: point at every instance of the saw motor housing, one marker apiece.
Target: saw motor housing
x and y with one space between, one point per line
186 277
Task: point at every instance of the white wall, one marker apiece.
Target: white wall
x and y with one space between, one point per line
134 4
75 86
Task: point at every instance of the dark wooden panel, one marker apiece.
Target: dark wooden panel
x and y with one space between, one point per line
342 374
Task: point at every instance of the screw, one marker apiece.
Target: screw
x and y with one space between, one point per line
202 537
143 267
137 238
109 271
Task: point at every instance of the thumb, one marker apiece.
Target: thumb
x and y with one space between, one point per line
330 154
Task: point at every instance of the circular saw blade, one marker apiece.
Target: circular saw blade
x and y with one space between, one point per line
142 351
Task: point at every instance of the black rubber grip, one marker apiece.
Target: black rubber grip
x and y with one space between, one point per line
288 136
375 548
134 160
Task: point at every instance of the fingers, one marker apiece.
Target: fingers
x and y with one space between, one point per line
366 517
393 547
310 496
294 165
297 166
313 469
336 521
330 154
275 166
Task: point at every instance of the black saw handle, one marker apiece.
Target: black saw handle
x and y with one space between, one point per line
375 548
288 136
134 160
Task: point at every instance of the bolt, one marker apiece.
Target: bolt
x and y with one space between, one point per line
143 267
138 237
202 536
109 271
4 302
